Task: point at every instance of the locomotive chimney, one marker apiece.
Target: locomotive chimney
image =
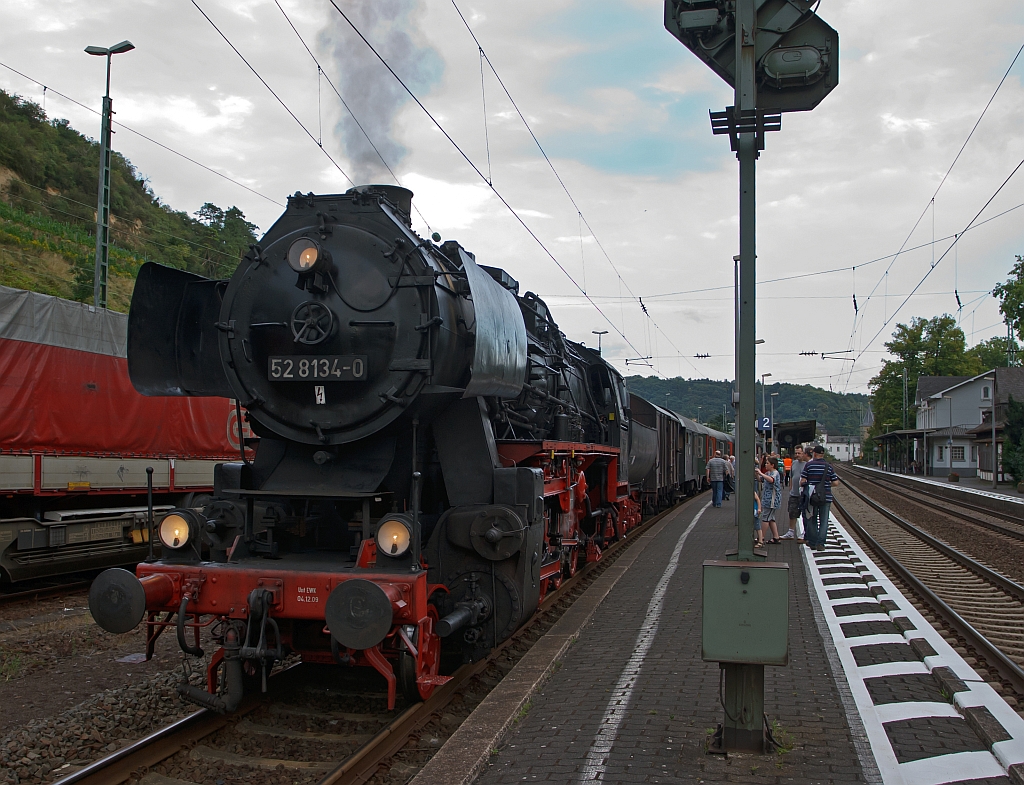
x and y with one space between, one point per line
400 197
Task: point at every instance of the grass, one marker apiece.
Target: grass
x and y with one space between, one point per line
524 710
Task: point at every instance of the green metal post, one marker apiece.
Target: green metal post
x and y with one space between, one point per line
744 684
99 278
746 97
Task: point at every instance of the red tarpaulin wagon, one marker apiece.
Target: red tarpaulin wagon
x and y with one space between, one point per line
76 440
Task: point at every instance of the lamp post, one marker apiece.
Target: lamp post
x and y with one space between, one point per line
994 454
773 396
698 414
99 276
599 333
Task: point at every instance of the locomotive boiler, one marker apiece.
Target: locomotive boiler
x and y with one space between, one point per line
431 454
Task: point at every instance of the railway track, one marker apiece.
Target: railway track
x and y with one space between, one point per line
24 595
322 744
983 607
997 521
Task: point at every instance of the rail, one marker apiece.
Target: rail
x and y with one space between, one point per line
117 767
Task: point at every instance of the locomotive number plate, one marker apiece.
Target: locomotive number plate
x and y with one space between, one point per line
307 368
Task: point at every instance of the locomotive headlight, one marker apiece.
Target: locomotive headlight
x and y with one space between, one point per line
394 536
175 531
303 254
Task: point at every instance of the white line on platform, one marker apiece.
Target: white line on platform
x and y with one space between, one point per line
928 771
594 766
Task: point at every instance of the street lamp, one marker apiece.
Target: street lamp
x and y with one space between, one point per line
698 414
99 276
773 396
992 392
599 333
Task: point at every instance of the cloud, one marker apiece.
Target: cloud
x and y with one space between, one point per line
448 206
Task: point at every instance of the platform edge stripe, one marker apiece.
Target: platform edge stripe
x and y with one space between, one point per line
858 731
946 656
961 489
954 767
618 704
491 720
881 750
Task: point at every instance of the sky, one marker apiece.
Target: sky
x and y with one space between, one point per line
639 200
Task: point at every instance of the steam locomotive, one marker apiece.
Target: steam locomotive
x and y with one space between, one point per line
432 455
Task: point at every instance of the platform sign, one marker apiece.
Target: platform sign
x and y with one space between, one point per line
797 53
764 424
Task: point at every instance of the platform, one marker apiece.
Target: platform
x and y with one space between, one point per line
971 486
872 694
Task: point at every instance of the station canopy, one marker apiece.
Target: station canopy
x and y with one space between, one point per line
790 434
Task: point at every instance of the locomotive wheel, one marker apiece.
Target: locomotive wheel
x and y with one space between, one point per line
570 563
407 677
430 660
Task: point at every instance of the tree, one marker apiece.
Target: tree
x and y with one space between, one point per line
1011 298
992 353
925 347
1013 447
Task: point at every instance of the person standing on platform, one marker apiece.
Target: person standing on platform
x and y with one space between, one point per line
796 518
819 476
771 497
787 464
715 472
730 478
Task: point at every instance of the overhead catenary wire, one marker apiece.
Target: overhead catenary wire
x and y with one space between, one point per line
141 135
938 188
929 271
479 173
273 93
830 271
561 182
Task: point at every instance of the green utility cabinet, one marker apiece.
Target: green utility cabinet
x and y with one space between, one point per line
746 612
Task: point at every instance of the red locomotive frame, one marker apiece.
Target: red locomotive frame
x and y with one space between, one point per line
221 591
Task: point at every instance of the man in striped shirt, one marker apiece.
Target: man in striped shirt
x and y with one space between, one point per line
817 471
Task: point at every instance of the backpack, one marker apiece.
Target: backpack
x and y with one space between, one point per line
817 498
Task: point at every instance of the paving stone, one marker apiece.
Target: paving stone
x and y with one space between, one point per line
668 746
846 594
927 737
922 647
901 689
847 569
857 609
858 629
948 681
903 624
984 723
877 653
842 580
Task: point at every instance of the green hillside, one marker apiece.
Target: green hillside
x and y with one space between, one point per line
48 176
836 413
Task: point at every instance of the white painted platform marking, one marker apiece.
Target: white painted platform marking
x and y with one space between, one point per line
927 771
594 767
